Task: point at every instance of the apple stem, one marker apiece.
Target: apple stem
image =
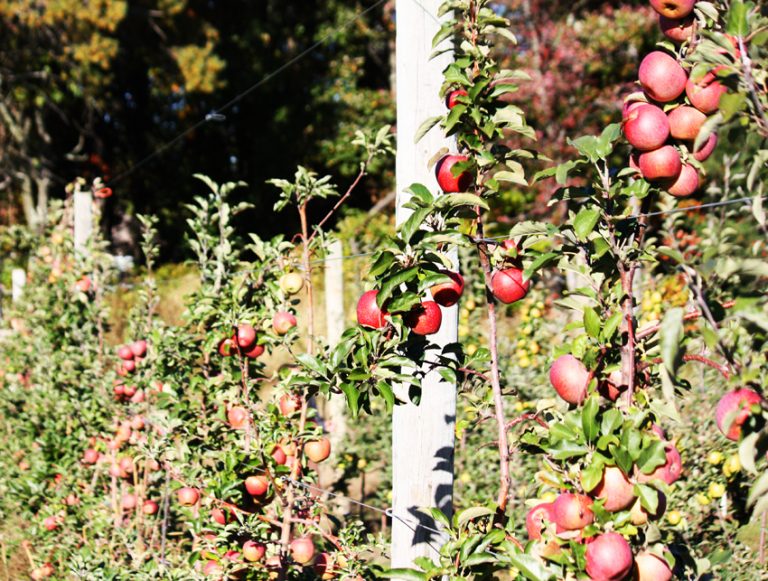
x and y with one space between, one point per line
498 402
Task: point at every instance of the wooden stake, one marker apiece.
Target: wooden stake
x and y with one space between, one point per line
83 221
423 436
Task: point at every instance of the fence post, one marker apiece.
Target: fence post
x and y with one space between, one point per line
18 280
422 436
334 321
83 221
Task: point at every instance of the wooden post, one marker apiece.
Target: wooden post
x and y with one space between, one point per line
18 280
422 436
83 221
334 322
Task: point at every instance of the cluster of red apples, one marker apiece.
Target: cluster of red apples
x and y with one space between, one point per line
507 284
260 488
608 555
130 356
662 122
245 339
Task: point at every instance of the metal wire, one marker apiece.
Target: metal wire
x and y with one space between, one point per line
216 114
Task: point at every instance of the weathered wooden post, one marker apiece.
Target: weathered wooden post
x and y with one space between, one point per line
334 321
83 209
18 280
423 436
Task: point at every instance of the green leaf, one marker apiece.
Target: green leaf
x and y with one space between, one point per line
531 567
592 322
471 514
649 497
587 146
414 222
463 199
611 325
407 574
652 457
737 18
353 395
612 419
748 452
565 449
540 262
592 475
391 283
585 221
387 394
421 193
670 333
515 177
425 127
759 488
589 418
383 262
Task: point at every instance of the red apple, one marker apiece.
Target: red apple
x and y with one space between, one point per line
447 294
570 378
649 567
452 99
735 406
150 507
227 347
646 127
128 502
289 404
255 351
368 312
686 183
139 348
125 353
83 284
706 149
257 485
90 456
138 397
253 551
660 164
129 366
279 455
677 30
282 322
609 557
616 489
612 386
219 516
318 450
673 8
212 568
662 77
632 102
424 319
572 511
536 519
685 122
51 523
246 336
42 572
237 416
449 182
129 390
508 285
188 496
302 550
705 94
668 472
324 567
